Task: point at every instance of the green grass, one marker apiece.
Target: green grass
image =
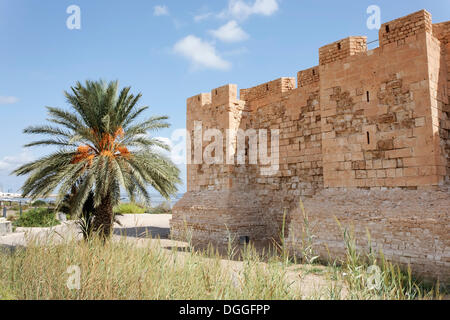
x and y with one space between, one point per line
39 203
163 208
136 208
312 269
127 208
39 217
17 207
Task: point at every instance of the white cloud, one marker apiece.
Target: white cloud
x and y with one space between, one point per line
230 32
10 163
202 17
200 53
241 9
177 144
178 24
8 100
160 11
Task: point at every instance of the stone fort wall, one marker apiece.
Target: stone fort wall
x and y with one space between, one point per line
364 139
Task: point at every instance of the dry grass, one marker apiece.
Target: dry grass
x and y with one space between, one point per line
123 270
130 268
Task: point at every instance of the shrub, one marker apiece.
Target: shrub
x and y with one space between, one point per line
126 208
39 203
163 208
17 207
39 217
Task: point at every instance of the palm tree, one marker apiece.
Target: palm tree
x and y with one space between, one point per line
101 149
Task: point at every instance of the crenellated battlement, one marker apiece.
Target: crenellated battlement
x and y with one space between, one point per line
223 95
275 87
308 76
398 30
395 31
342 49
442 31
199 100
218 96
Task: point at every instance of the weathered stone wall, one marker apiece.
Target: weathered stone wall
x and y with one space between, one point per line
376 118
215 215
364 137
297 117
408 226
269 91
439 71
219 110
308 76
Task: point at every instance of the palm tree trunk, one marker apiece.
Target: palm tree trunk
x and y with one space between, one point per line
103 218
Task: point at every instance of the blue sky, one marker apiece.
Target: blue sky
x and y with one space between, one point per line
167 50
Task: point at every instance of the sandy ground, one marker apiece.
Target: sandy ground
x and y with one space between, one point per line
144 229
131 225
